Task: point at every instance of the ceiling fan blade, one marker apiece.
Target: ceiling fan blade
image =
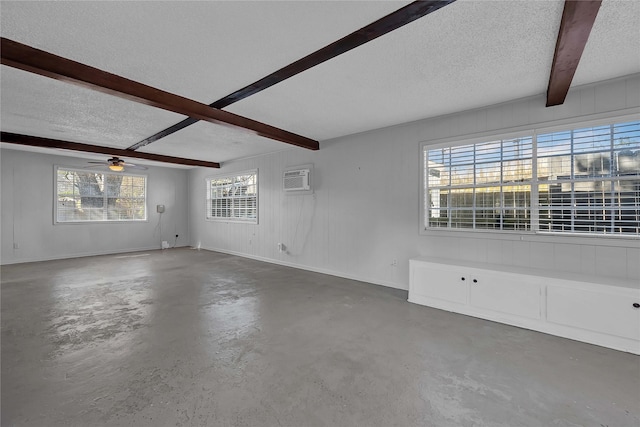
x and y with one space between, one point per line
132 166
101 163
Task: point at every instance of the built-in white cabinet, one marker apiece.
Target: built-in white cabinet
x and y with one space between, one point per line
611 312
440 282
597 313
507 293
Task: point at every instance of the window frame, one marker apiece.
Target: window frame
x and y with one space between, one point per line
233 175
534 132
56 221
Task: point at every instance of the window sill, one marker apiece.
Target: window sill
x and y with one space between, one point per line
133 221
540 236
232 221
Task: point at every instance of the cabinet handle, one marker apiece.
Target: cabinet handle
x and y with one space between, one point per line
462 278
636 305
475 280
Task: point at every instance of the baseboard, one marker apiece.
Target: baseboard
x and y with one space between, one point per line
307 268
590 337
81 255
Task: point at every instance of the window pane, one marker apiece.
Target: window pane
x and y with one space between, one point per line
461 198
555 219
516 196
493 163
488 198
462 175
90 196
627 161
554 156
627 148
461 166
592 140
462 218
592 164
487 173
626 220
588 181
233 198
554 194
488 218
436 200
516 219
438 218
554 168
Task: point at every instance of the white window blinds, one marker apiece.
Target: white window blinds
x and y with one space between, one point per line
584 180
480 186
233 197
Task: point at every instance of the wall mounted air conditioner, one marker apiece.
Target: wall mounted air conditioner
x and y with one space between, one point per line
297 180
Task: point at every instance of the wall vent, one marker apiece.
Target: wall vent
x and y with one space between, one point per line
296 180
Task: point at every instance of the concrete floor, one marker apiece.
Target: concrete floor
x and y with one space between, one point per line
195 338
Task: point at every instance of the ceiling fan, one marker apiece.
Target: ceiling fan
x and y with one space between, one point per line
116 164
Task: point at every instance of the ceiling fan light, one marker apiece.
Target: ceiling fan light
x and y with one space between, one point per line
116 168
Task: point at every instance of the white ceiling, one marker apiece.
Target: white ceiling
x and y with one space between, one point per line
466 55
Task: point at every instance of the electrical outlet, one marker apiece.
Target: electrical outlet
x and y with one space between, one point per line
16 246
394 263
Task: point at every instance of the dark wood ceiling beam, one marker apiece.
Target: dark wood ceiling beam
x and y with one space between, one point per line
578 17
37 61
382 26
34 141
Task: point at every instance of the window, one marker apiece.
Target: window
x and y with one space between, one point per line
84 196
583 180
233 197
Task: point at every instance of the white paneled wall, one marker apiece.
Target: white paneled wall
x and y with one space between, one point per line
364 213
27 213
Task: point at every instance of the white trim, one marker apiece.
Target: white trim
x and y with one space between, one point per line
539 236
520 132
617 343
207 189
589 121
306 268
82 255
56 167
545 127
421 292
533 130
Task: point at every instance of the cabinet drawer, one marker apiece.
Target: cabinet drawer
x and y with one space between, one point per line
506 293
437 282
603 312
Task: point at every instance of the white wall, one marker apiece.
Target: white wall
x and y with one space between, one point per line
27 212
365 210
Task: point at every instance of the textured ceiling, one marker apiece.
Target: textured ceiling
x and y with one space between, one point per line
37 105
466 55
463 56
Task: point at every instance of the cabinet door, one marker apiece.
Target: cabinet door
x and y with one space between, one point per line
441 282
507 293
605 312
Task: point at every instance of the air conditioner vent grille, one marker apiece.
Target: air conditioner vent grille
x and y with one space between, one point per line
296 180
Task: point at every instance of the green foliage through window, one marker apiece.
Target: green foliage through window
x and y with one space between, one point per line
84 196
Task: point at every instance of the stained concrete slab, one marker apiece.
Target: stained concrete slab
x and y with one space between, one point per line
196 338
